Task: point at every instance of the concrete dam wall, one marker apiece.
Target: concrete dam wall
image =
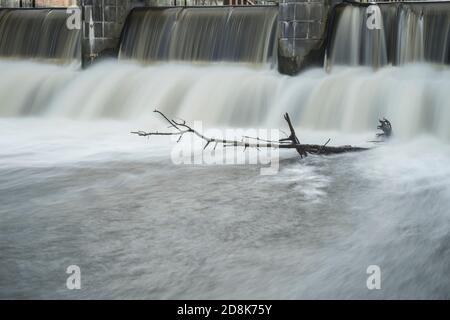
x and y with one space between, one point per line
294 35
281 35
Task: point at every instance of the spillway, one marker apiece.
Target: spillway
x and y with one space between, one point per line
233 34
407 33
39 34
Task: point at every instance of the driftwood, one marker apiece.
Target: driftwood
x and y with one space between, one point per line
291 142
386 127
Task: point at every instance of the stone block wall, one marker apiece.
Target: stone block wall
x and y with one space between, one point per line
302 34
101 34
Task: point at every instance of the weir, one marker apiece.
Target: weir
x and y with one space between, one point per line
292 35
250 34
38 34
94 26
415 97
407 32
235 34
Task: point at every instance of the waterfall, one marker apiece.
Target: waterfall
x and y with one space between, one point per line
413 32
236 34
415 97
38 34
156 219
349 99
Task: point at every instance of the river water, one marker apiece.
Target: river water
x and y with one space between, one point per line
76 188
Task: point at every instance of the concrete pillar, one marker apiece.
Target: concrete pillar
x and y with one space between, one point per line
102 26
302 35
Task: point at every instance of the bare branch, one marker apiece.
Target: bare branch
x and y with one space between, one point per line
171 122
259 139
291 142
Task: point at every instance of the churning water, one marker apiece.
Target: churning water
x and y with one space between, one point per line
351 100
77 188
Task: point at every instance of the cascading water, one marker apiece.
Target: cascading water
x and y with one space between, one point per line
411 41
38 34
353 44
235 34
415 98
415 32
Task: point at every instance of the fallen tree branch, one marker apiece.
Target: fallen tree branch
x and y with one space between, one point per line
291 142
